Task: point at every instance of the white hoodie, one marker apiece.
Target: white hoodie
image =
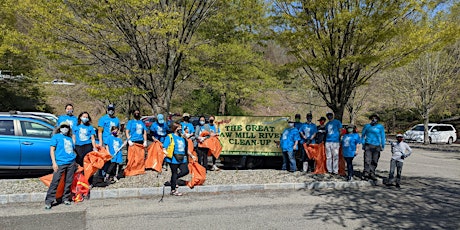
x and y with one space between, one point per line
400 148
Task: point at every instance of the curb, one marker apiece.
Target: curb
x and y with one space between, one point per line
151 191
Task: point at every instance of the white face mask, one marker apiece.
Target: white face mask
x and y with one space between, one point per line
291 125
64 130
110 112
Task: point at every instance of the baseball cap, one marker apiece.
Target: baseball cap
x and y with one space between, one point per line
297 116
399 135
186 115
64 123
111 107
161 118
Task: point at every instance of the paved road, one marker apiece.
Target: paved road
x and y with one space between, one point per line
429 199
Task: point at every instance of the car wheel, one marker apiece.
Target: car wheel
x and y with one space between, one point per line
449 142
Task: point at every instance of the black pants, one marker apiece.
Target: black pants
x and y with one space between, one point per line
349 161
68 171
82 150
112 169
202 156
177 171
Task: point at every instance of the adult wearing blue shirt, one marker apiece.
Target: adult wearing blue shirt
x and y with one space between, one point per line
136 131
68 117
63 160
333 127
85 140
178 162
202 152
105 124
349 145
288 143
308 134
159 129
373 136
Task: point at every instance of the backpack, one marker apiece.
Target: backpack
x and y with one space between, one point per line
170 149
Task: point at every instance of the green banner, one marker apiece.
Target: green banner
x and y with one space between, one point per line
252 136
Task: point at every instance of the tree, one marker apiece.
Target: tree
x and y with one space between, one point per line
120 47
341 44
231 61
429 80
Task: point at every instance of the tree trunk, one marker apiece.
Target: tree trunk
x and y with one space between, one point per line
223 104
426 120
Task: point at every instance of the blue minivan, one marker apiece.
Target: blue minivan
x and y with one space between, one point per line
25 143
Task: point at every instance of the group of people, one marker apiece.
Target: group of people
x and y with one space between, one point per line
333 136
75 137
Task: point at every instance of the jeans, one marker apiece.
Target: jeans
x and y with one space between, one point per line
371 158
183 168
398 165
349 161
289 156
332 157
69 170
82 150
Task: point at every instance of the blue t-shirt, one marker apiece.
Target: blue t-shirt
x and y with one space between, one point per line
63 153
179 148
288 138
333 131
136 130
114 144
72 120
106 122
83 134
298 125
349 142
189 125
214 128
159 131
308 129
374 135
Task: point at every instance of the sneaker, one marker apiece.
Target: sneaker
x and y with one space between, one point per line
175 193
398 186
47 206
115 179
215 168
67 202
350 179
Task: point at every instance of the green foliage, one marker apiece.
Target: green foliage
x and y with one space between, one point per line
341 44
206 101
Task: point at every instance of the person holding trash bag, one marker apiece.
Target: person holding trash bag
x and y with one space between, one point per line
175 149
63 160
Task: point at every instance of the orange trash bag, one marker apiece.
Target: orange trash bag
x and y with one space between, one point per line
155 157
191 149
80 187
212 143
60 189
136 165
95 160
198 173
318 153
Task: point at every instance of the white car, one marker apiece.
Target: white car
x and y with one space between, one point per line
437 133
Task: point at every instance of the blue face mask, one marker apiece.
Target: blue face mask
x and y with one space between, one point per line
202 122
84 119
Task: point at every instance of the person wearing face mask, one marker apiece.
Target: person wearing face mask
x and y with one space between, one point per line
320 136
373 136
288 142
63 160
308 134
68 117
333 127
105 124
159 129
349 143
178 162
85 140
202 152
136 131
215 131
114 148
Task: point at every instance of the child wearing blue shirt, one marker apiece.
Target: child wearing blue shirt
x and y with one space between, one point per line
349 145
114 146
63 160
85 137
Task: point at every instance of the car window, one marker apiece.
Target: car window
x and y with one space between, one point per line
33 129
446 128
6 127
